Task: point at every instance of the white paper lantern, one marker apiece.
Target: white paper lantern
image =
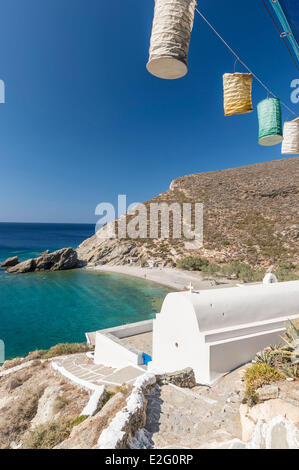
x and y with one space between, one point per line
290 143
171 31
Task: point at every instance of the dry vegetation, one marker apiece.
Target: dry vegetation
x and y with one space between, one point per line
251 216
46 436
60 349
20 395
41 410
16 417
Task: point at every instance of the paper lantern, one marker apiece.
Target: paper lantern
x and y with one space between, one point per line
171 31
290 143
237 93
270 123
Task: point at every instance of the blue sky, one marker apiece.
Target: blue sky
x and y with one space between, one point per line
84 121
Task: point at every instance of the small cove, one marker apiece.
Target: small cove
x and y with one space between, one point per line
38 310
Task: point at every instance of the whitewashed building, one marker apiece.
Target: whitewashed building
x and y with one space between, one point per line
213 331
217 330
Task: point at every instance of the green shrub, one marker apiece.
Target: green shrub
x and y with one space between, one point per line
265 357
193 263
243 271
109 395
256 376
286 272
79 420
284 358
212 269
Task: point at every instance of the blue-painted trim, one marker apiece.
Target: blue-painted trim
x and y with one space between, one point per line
146 358
285 25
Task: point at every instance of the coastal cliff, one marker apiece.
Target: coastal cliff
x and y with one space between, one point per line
251 214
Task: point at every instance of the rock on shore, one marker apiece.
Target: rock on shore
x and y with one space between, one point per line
9 262
63 259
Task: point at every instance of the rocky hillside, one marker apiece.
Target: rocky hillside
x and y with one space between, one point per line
42 410
251 214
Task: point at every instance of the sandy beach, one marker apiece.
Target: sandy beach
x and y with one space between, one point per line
170 277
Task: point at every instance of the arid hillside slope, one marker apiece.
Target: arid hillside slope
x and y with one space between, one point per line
251 214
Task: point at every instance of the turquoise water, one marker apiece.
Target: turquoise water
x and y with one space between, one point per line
38 310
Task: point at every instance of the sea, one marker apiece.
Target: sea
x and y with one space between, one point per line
41 309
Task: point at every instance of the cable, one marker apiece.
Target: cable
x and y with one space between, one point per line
241 62
280 34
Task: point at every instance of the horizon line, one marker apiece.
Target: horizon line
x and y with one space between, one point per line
49 223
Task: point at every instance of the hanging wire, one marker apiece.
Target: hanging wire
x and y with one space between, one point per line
282 35
235 65
243 63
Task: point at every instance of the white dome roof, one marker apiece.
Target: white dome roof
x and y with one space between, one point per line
229 307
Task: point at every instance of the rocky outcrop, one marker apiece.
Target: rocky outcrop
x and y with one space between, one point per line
182 378
274 400
63 259
46 409
279 433
58 260
265 412
24 267
267 392
9 262
97 250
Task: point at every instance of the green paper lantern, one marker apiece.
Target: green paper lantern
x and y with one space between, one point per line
270 122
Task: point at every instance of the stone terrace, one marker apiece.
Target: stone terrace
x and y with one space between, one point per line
83 368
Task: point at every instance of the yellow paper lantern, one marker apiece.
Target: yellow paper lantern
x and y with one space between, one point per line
237 93
290 143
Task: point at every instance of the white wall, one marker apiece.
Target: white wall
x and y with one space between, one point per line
110 352
176 340
228 355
